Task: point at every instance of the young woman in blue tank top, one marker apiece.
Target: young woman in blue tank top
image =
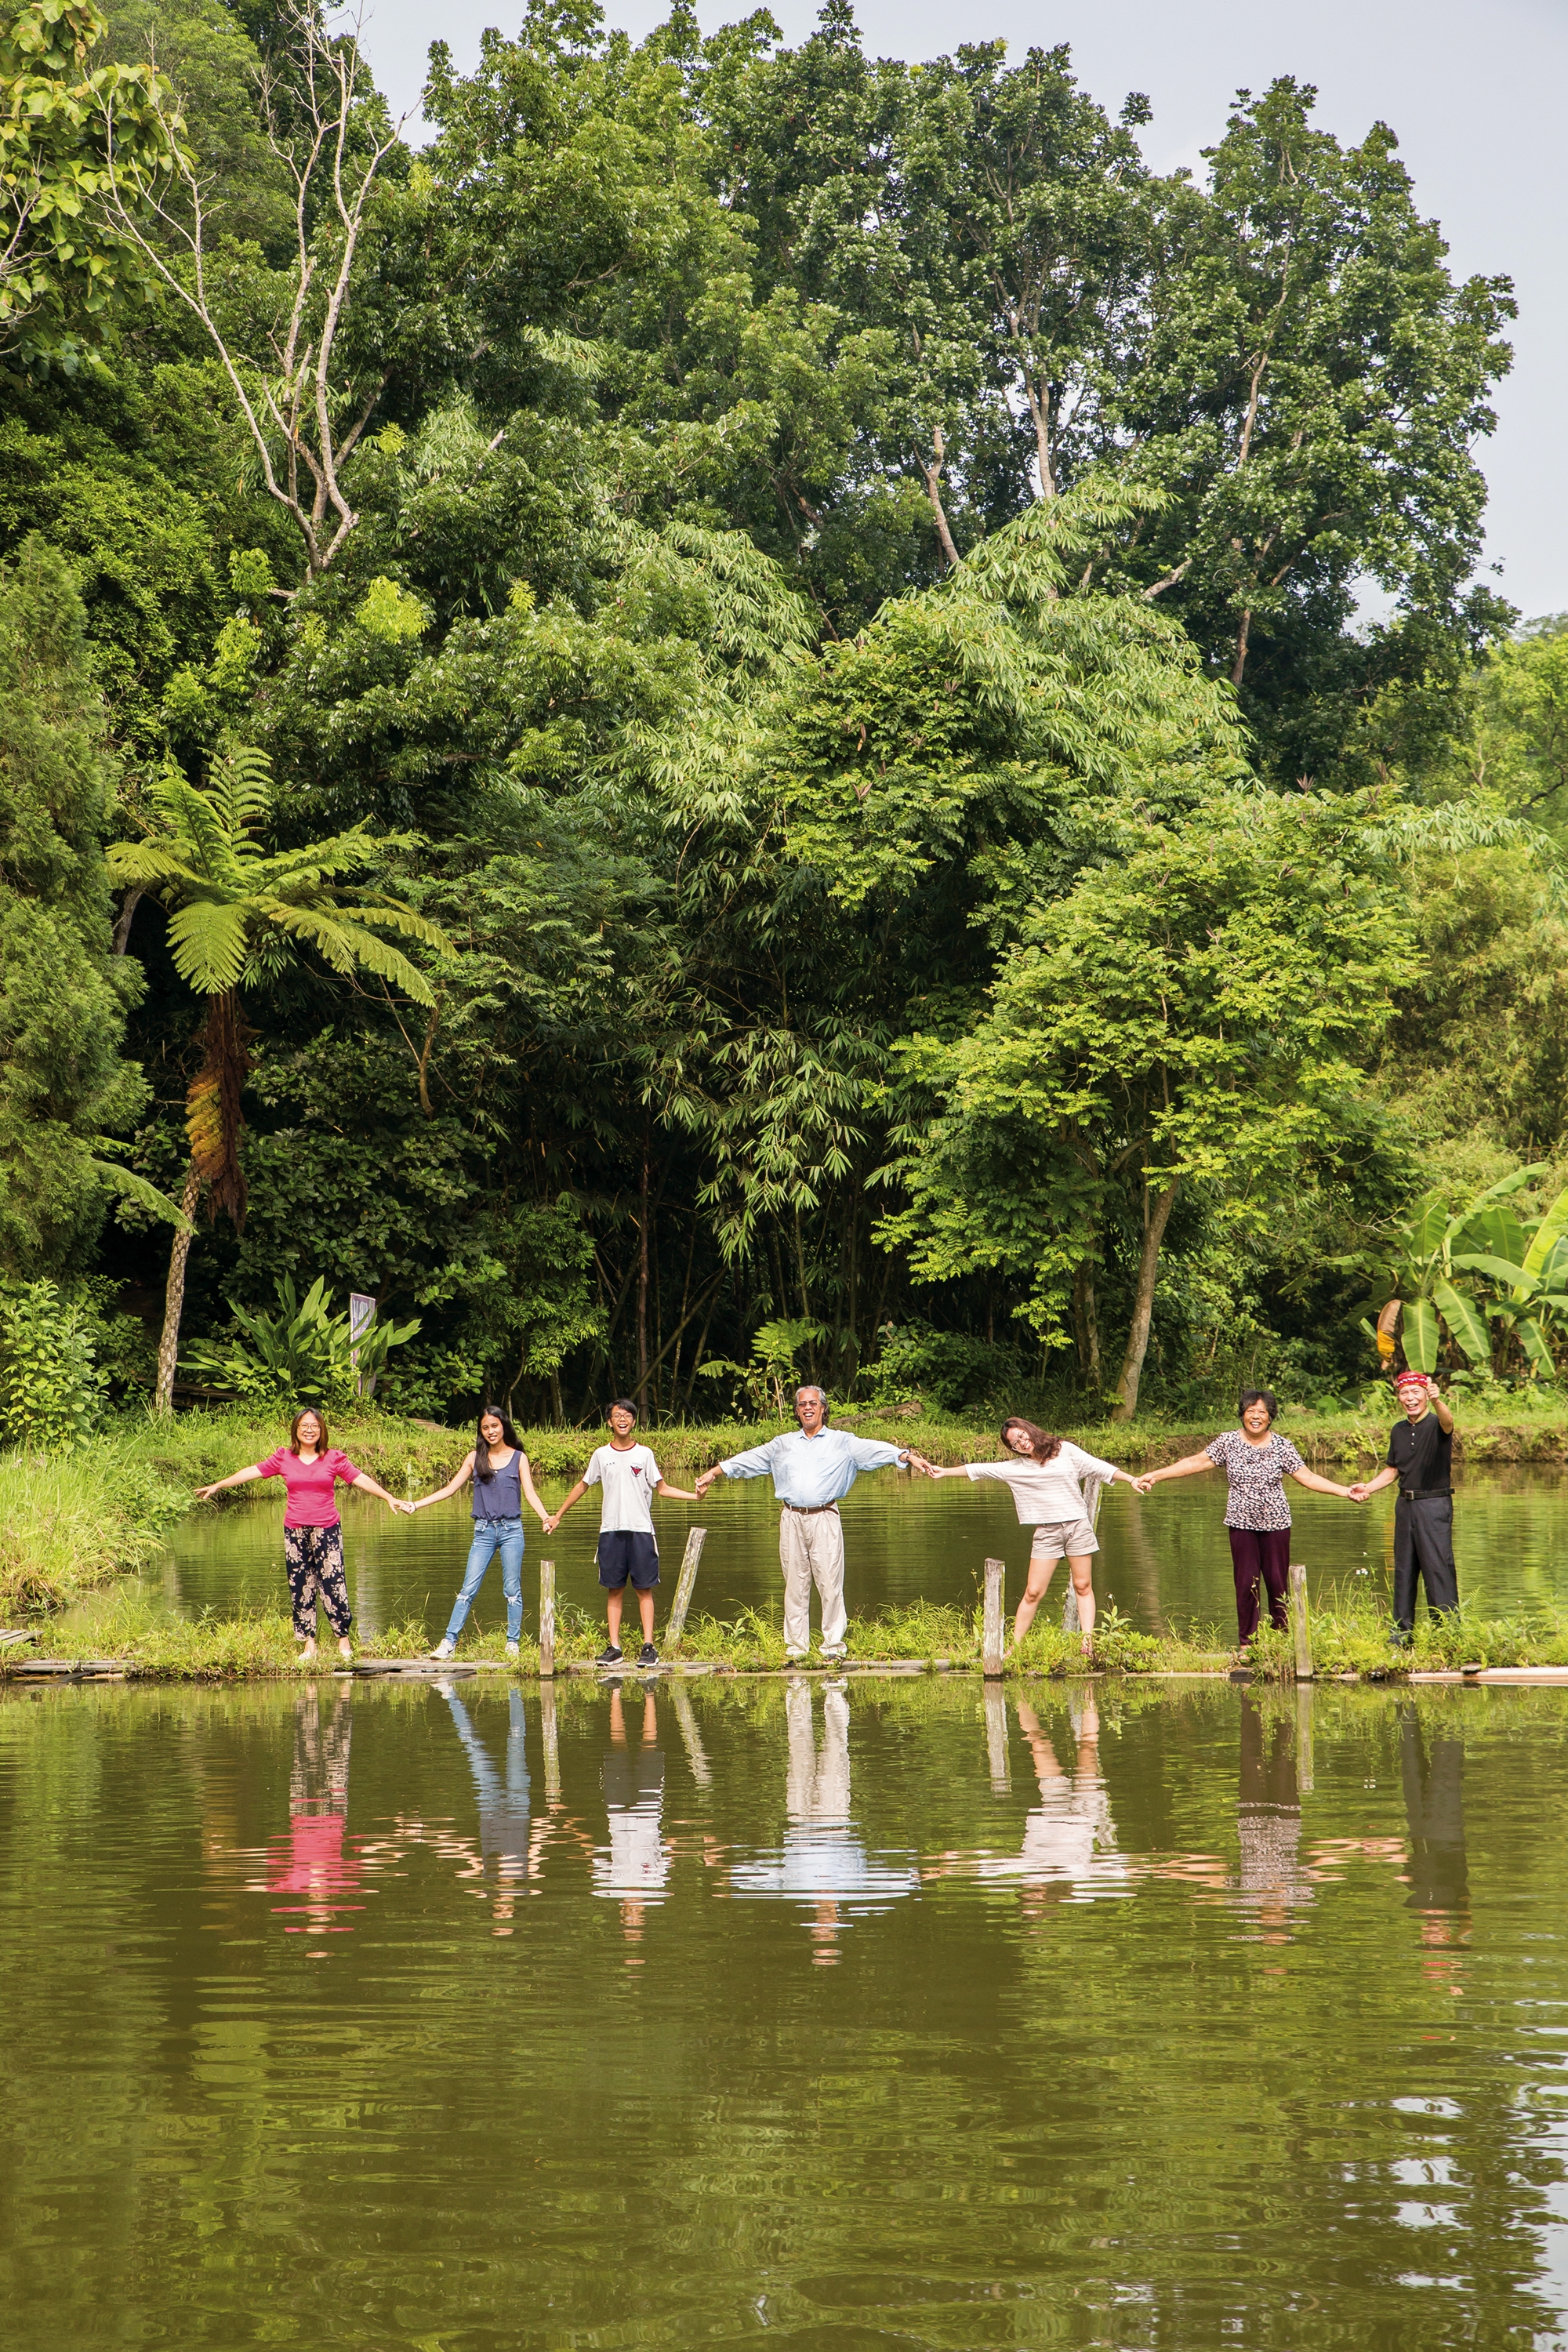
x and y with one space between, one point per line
498 1468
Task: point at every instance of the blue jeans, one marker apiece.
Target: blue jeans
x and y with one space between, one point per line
492 1536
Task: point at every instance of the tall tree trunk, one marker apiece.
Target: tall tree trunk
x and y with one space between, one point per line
642 1290
1154 1224
1088 1333
175 1294
933 474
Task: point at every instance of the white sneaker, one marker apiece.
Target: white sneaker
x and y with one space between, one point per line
512 1652
443 1649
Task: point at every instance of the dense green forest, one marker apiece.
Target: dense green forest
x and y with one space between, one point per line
725 722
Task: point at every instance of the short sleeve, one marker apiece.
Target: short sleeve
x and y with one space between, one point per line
344 1468
1290 1460
593 1474
272 1467
655 1475
1219 1450
1391 1457
1090 1465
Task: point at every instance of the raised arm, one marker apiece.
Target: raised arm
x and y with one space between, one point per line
369 1486
1187 1468
1323 1486
756 1461
234 1479
1365 1487
444 1494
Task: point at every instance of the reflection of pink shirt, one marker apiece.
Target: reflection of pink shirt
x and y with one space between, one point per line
309 1484
315 1865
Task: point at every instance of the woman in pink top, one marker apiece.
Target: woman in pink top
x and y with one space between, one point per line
310 1468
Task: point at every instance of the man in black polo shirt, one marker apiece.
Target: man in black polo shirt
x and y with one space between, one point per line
1420 1455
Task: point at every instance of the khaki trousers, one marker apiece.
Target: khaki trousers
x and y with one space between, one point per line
811 1549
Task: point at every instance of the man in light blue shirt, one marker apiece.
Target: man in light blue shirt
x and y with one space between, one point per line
811 1468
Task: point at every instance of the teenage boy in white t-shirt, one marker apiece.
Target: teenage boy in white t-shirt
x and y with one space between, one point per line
629 1478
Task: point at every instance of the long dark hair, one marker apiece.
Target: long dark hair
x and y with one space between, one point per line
1042 1446
482 1468
309 1412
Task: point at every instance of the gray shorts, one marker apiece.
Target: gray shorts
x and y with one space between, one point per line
1063 1538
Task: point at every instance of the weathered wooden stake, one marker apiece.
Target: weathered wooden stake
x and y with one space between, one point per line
1303 1741
547 1617
697 1756
991 1639
1300 1622
695 1539
1093 1491
996 1741
551 1746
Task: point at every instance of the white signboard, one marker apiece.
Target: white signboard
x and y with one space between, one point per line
362 1314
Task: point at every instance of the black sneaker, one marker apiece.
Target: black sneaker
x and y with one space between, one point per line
610 1656
648 1655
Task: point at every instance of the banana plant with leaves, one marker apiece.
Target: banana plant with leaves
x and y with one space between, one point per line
1528 1263
1428 1250
238 910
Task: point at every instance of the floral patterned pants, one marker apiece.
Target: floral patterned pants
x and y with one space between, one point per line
315 1561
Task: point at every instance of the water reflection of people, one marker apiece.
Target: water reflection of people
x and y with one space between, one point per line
635 1870
1435 1809
313 1864
822 1864
1069 1839
1269 1823
505 1813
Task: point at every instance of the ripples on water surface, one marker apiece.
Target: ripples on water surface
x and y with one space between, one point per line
887 2015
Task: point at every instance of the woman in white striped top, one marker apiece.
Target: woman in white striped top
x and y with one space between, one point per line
1045 1475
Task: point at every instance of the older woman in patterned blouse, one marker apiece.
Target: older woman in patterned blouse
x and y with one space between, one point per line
1257 1516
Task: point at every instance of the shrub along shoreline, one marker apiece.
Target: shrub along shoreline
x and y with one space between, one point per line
72 1524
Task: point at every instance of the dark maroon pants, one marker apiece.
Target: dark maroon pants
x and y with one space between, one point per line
1255 1552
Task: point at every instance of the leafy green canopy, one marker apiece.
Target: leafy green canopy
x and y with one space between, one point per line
1190 1015
64 995
62 262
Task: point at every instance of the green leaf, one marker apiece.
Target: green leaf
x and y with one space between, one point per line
1420 1335
1548 1234
131 1187
1463 1322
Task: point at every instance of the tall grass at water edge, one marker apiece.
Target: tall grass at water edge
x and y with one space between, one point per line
71 1523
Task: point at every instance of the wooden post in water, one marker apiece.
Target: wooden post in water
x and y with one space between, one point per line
551 1746
695 1538
696 1755
1303 1740
1093 1491
991 1639
996 1741
1299 1623
547 1617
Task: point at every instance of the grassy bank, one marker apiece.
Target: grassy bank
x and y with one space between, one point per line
1348 1638
71 1524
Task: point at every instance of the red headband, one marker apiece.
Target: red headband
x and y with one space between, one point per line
1411 1380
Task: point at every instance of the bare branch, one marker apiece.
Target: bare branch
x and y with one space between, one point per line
288 396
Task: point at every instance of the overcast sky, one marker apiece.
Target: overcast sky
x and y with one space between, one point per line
1474 95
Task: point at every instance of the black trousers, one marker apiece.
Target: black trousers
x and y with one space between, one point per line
1424 1547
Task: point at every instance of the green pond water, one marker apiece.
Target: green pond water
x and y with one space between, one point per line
893 2015
1163 1558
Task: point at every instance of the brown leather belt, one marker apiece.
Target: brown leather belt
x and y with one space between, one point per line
808 1510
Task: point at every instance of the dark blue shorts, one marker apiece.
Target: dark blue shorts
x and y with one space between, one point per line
626 1551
